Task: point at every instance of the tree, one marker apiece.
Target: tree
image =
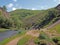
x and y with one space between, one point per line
4 8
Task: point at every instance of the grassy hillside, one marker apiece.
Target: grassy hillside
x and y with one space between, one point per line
22 13
37 19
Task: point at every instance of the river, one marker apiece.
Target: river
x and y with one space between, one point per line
7 34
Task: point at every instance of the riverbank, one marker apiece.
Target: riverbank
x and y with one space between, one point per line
2 29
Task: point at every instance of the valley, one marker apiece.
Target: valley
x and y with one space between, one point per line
30 27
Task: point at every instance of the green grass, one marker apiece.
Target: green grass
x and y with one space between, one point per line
56 28
24 40
13 37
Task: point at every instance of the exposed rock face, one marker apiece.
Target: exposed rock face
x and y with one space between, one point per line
5 13
58 7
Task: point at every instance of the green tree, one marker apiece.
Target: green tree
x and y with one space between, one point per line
4 8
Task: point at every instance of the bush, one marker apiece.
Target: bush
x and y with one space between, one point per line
42 36
36 40
55 40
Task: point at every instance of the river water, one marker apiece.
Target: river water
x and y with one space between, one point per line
7 34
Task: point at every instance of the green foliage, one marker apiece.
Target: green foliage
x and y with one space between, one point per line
4 8
36 40
56 40
43 36
5 23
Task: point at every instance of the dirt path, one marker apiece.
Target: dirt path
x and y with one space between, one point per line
15 41
57 22
34 33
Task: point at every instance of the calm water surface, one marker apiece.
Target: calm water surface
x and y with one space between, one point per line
7 34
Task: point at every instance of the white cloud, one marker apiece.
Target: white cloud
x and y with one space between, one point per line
10 5
14 8
15 0
33 8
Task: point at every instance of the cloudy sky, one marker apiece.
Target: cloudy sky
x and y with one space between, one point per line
29 4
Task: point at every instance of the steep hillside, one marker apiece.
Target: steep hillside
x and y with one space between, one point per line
36 19
20 14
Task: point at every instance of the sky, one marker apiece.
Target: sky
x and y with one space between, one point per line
29 4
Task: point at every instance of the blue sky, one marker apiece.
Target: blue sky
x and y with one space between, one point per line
29 4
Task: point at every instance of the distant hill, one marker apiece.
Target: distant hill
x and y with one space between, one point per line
22 13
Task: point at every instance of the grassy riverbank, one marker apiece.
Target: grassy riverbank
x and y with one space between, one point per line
2 29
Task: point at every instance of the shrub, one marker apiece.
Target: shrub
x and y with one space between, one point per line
55 40
42 36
